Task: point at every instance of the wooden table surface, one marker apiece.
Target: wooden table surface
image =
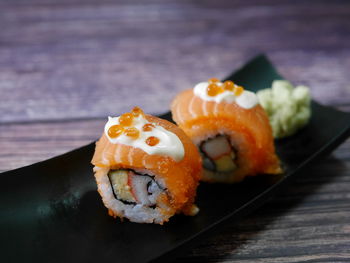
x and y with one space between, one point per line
67 64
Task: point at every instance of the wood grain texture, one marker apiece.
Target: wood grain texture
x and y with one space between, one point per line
65 65
24 144
64 59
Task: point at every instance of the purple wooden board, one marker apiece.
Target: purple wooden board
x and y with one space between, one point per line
92 58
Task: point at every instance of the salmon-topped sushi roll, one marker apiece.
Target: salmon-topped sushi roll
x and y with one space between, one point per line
146 168
230 129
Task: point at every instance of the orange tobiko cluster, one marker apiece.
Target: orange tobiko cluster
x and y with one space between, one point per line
214 89
126 121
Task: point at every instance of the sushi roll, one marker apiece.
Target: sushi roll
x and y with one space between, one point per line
146 168
230 129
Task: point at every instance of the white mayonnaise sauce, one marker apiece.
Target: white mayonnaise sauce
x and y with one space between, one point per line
246 99
169 144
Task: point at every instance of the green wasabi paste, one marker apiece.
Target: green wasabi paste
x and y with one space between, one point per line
288 108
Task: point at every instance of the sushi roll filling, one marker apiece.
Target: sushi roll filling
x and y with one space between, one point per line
134 188
218 154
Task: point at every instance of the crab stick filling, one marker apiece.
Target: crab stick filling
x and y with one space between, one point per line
218 154
131 187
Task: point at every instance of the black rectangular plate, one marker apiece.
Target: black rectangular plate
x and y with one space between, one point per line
51 211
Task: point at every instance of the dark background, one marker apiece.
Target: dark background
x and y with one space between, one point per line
66 65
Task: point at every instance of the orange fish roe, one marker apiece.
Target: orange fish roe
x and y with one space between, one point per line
137 111
115 130
238 90
126 119
228 85
132 132
152 141
214 90
147 127
213 80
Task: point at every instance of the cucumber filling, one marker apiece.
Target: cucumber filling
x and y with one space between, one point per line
130 187
218 154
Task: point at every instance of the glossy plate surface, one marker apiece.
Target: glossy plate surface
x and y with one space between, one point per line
51 211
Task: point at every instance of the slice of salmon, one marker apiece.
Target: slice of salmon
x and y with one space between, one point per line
249 130
181 178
